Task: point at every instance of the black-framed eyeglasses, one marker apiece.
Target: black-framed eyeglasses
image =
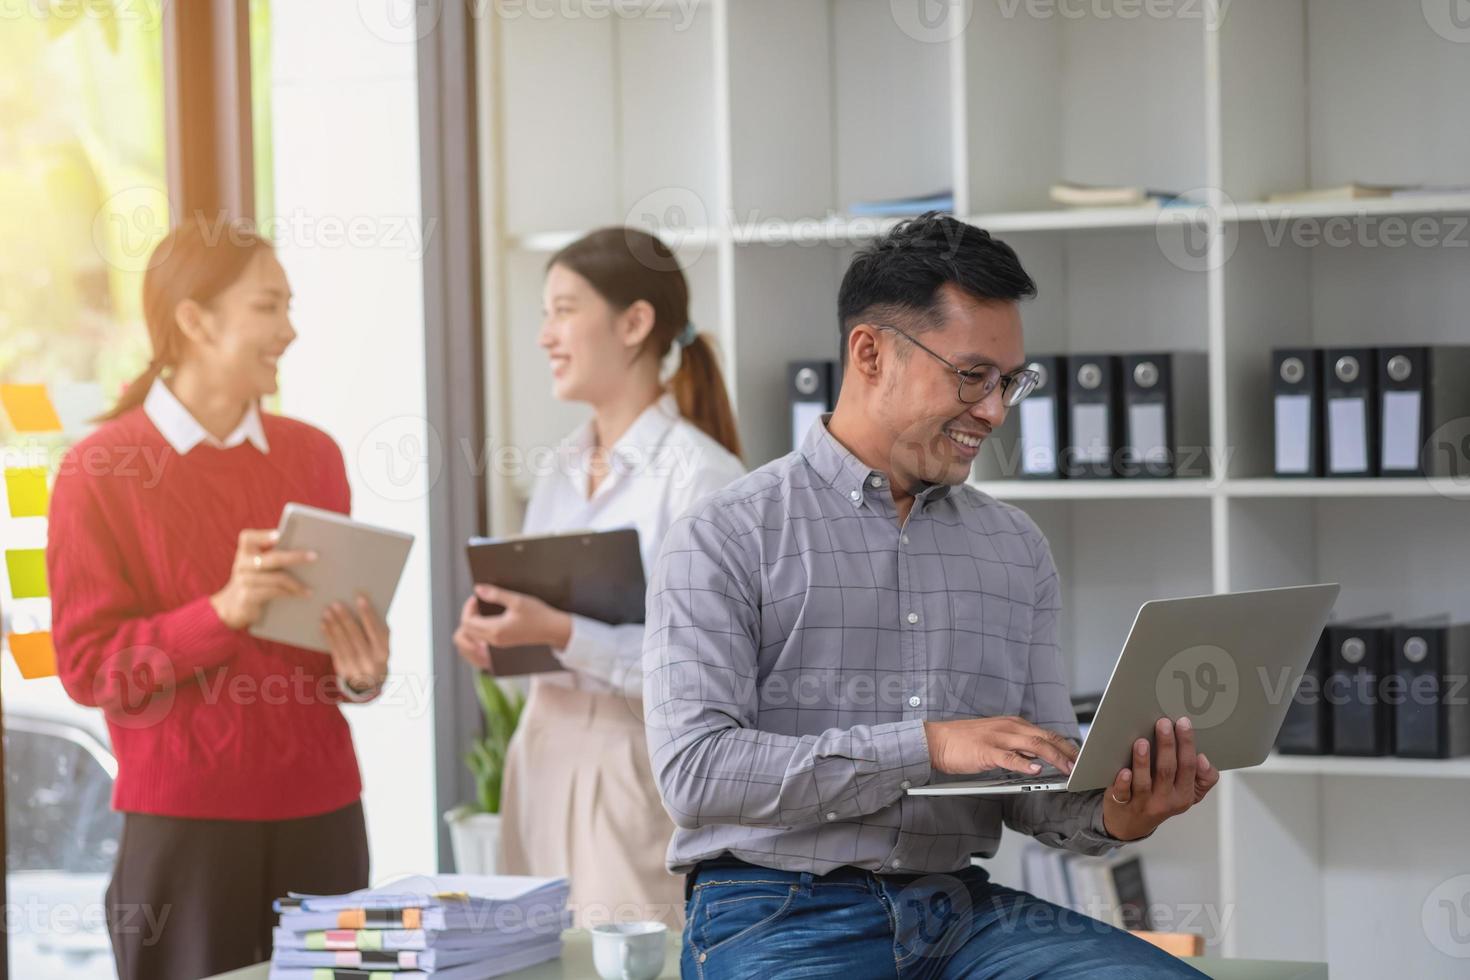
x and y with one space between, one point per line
978 381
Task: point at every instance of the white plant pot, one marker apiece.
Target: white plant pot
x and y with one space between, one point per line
475 840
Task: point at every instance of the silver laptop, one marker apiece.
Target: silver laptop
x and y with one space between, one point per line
1229 662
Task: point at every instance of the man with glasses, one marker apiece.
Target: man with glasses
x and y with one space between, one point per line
853 620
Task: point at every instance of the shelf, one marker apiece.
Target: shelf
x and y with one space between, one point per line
1386 487
1369 207
808 231
547 242
1095 489
850 230
1331 765
1084 219
1251 489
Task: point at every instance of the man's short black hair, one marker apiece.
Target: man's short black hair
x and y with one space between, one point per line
898 277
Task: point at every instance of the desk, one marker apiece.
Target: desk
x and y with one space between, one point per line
576 964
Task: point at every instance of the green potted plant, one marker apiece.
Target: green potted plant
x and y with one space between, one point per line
474 828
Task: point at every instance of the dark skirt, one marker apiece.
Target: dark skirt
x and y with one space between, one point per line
192 898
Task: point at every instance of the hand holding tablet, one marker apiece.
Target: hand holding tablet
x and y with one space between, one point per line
352 559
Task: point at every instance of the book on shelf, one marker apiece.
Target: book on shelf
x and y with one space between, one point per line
1344 192
1111 889
1074 195
898 207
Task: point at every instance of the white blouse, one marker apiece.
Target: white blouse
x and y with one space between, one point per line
660 468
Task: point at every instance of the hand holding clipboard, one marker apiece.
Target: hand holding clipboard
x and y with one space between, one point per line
598 575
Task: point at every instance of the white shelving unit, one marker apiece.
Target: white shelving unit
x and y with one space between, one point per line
744 134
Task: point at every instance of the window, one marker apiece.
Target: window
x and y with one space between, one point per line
82 203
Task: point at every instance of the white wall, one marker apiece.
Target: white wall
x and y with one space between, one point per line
346 138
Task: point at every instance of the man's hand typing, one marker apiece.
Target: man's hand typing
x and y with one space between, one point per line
979 744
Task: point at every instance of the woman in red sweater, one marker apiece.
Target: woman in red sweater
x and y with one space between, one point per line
236 773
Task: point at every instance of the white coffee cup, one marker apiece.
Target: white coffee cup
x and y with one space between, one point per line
629 950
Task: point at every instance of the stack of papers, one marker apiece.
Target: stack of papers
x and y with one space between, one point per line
449 927
1094 196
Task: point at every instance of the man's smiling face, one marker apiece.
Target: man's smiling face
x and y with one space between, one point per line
936 436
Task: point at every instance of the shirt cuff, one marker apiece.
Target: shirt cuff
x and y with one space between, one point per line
585 645
913 752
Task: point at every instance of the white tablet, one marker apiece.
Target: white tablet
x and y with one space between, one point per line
352 558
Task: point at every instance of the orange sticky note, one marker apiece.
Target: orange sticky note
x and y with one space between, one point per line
27 570
34 654
25 489
29 408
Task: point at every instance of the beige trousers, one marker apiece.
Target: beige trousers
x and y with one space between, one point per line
580 800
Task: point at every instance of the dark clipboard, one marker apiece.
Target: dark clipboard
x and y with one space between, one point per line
597 574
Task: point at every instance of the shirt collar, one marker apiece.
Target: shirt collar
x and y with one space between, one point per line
182 430
646 433
855 479
649 428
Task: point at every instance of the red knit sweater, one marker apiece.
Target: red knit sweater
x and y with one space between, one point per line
206 722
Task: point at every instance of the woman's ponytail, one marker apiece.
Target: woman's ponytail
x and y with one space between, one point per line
135 393
699 388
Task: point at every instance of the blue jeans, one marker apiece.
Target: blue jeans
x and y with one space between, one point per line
749 922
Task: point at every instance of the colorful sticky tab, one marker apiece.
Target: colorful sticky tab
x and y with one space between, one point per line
29 408
34 654
25 489
27 570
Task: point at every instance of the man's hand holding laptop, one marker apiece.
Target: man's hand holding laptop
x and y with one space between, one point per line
1149 792
1161 782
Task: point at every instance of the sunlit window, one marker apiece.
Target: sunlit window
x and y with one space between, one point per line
82 203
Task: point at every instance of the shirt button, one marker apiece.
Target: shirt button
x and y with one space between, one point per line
905 784
856 495
876 481
896 865
915 701
913 617
905 539
831 817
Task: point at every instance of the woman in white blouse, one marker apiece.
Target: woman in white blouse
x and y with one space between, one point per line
579 796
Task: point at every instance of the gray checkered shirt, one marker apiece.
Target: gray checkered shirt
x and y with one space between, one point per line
797 640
